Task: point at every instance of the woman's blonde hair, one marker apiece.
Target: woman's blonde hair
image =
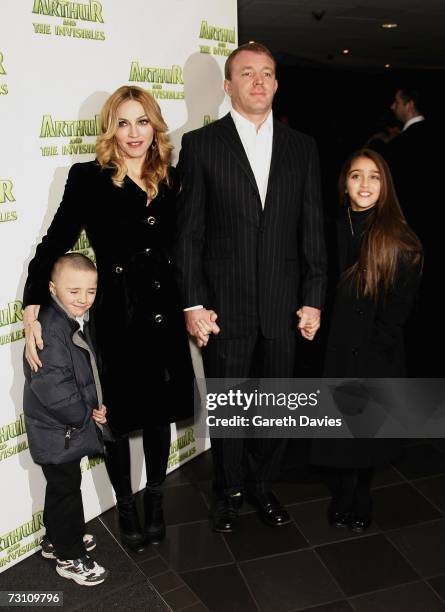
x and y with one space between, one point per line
108 153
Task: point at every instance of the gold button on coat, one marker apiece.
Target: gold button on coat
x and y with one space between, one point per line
151 220
159 318
118 270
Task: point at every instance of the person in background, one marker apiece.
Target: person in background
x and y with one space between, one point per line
126 202
409 155
413 162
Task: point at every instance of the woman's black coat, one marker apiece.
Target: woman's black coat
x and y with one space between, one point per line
145 363
365 341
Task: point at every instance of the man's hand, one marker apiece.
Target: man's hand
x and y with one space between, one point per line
100 415
200 323
309 322
33 336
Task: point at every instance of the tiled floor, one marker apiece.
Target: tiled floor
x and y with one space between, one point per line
397 566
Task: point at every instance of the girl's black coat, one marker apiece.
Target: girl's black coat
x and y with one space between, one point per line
145 363
365 341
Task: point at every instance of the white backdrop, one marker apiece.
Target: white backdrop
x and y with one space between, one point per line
59 61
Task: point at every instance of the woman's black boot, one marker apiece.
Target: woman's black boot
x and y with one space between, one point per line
117 461
154 526
156 440
129 524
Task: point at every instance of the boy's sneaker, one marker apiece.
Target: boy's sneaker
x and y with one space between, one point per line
84 571
48 549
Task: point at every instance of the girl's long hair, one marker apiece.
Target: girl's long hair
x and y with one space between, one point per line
108 153
388 240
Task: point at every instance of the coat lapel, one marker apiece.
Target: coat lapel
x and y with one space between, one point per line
279 143
229 135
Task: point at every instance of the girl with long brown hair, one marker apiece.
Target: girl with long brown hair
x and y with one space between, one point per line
380 260
126 202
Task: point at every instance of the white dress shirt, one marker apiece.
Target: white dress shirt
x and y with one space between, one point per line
258 147
413 120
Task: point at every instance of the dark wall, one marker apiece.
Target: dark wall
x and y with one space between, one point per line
342 109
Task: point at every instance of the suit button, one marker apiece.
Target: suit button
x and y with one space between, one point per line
118 269
156 284
359 311
151 220
355 351
159 318
147 251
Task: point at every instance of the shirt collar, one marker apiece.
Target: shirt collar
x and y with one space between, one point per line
86 315
417 119
241 122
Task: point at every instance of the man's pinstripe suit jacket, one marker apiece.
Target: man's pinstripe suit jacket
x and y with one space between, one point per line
254 267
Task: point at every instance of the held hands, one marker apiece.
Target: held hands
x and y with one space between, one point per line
33 336
200 323
100 415
309 322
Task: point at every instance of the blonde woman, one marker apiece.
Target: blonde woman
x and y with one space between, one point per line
125 201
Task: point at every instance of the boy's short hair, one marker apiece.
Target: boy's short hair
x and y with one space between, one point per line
78 261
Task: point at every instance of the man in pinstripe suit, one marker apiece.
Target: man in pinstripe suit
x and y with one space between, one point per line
250 252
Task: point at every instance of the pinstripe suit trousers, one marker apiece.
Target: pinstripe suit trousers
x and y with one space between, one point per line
252 463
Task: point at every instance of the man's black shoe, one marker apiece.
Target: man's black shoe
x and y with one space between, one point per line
270 509
225 517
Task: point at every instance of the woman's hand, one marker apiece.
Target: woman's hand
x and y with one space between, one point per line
200 323
33 336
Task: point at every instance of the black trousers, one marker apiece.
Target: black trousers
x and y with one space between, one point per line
350 489
253 462
156 440
63 512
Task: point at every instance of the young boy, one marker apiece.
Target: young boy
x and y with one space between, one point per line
60 401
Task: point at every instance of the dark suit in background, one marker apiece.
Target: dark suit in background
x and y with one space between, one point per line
410 158
415 167
254 267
